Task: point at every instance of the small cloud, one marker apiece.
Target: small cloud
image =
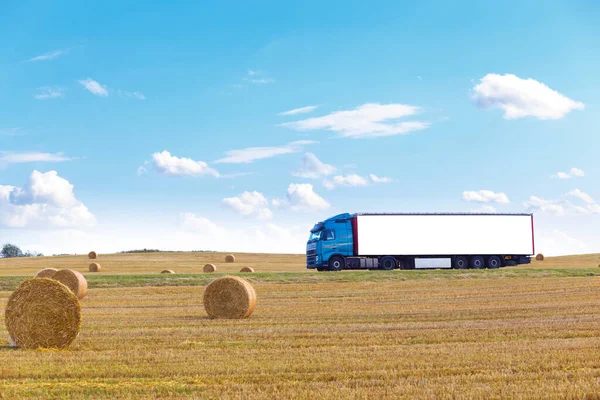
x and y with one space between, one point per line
301 110
31 156
49 92
11 132
573 172
313 168
257 78
251 154
485 196
383 179
49 56
582 196
169 165
302 198
520 98
135 95
142 171
253 204
367 120
553 207
94 87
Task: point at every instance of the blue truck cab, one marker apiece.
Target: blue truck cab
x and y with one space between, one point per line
330 237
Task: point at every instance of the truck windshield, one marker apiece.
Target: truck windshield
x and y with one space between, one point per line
314 236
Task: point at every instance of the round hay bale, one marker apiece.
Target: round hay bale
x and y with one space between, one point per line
46 273
92 255
539 257
210 268
42 313
229 297
73 280
247 269
167 271
95 267
229 258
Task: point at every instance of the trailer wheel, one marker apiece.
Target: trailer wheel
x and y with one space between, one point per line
461 262
477 262
337 263
494 262
388 263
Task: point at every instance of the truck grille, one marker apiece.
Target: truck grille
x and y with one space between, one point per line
312 260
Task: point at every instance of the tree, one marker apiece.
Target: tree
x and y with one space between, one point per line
10 250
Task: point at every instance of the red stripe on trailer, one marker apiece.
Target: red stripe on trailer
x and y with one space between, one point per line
355 234
532 237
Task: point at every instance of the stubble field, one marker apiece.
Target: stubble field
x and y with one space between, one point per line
514 333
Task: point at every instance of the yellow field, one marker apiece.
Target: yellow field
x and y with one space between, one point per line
186 262
502 338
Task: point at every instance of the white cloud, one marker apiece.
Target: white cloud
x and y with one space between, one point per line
253 204
351 180
573 172
167 164
582 196
141 170
522 97
485 209
48 56
49 92
11 132
553 207
94 87
301 110
301 197
251 154
257 78
379 179
31 156
136 94
485 196
45 200
189 221
367 120
313 168
354 180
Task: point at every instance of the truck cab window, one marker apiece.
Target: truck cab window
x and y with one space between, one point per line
330 235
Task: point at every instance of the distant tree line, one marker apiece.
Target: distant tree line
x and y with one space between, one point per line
11 251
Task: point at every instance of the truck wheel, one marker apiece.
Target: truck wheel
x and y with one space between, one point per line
477 262
461 262
494 262
336 263
388 263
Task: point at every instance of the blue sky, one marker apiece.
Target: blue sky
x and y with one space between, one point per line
450 107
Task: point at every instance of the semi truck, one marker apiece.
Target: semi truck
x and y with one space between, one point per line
390 241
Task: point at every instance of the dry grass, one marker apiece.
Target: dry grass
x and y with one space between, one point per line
190 263
502 338
152 263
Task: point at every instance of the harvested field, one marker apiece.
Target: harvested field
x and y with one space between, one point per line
193 262
520 337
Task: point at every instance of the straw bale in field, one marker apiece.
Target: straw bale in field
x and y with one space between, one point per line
229 297
95 267
73 280
247 269
92 255
45 273
42 313
539 257
229 258
167 271
210 268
